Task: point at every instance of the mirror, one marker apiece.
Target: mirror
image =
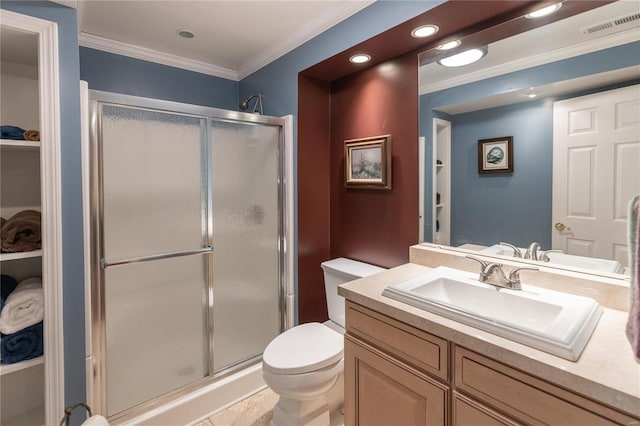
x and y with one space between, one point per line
510 93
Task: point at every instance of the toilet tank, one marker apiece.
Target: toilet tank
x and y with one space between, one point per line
339 271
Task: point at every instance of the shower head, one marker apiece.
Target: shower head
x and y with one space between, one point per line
244 105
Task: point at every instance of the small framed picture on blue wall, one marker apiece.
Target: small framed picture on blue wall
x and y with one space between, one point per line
495 155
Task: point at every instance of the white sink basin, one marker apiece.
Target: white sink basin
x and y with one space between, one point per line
558 323
592 263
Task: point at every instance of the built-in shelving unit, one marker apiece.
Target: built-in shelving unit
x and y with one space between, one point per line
22 384
441 181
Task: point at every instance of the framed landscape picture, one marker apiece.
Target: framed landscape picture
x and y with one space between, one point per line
368 162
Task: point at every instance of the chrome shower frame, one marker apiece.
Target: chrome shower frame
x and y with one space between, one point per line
97 383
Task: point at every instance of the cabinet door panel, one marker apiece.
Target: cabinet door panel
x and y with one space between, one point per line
382 391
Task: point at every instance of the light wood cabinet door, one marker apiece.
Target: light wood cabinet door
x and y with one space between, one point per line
380 390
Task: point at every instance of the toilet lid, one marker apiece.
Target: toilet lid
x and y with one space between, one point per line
302 349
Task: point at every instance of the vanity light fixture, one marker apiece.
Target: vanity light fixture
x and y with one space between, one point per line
449 45
360 58
185 34
464 58
424 31
547 10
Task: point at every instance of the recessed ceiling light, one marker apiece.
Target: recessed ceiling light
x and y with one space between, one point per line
186 34
548 10
360 58
464 58
424 31
449 45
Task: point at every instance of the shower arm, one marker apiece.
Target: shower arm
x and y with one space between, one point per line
256 106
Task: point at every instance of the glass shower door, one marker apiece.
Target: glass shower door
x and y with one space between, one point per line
155 253
247 229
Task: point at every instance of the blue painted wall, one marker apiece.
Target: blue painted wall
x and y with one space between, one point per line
72 239
464 188
121 74
487 209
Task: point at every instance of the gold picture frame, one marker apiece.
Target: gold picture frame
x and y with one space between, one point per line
368 162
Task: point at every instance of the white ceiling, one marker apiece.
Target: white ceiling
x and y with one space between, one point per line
550 43
232 38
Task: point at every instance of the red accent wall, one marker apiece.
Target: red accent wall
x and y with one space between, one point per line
314 124
373 226
376 226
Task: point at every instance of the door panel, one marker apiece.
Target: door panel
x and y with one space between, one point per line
596 171
154 182
155 328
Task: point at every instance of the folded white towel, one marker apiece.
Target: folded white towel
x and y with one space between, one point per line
96 420
23 307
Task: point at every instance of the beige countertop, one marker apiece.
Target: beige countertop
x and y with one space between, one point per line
606 370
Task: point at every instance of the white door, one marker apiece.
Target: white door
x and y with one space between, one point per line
596 171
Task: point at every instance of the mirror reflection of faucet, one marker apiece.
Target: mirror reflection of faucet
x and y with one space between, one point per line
533 252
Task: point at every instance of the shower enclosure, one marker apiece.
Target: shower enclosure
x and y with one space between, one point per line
188 247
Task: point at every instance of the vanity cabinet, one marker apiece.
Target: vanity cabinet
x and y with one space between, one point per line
398 374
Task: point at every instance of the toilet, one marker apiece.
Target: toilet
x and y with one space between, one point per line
304 364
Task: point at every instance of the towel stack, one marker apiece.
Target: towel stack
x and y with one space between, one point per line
21 319
16 133
22 232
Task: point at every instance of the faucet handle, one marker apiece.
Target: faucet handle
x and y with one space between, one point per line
543 256
477 259
516 250
514 275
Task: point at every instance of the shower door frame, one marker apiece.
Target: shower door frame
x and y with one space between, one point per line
95 307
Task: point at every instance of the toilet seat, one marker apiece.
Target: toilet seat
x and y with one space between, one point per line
302 349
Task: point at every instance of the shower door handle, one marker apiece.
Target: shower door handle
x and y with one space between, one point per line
106 264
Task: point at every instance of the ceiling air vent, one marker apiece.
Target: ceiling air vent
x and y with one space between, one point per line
614 25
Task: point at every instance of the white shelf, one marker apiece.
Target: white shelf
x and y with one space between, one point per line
439 206
19 145
33 417
439 165
12 368
20 255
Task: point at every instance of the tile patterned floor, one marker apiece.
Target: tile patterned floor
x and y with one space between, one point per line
256 410
253 411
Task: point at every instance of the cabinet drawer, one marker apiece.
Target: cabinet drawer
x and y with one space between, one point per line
415 347
525 397
466 412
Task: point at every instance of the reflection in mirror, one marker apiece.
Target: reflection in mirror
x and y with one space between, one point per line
573 174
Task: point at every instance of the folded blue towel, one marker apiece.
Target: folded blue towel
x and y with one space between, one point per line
23 345
7 285
11 132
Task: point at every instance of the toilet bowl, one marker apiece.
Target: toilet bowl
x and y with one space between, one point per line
304 364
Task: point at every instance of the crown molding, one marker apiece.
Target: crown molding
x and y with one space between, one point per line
585 47
138 52
317 26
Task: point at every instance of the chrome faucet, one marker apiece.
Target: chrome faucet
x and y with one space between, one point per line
543 257
492 273
532 251
516 250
